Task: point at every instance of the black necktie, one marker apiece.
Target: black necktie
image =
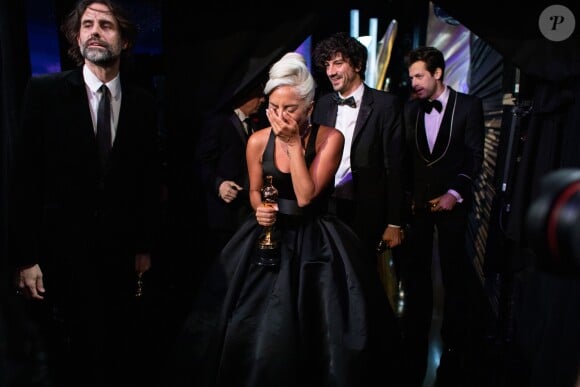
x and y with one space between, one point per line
104 126
430 105
345 101
249 125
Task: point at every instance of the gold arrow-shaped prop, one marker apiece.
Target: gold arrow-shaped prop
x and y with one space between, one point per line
386 48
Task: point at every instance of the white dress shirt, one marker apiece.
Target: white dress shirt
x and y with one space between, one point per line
433 120
345 122
92 85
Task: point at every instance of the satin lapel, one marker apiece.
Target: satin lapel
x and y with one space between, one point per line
128 123
366 108
445 130
81 126
129 117
239 127
421 136
331 112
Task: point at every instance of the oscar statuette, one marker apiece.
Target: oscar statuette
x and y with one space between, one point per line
267 253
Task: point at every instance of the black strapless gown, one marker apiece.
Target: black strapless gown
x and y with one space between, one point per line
320 319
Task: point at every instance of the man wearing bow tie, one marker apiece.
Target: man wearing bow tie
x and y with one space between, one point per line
368 191
445 137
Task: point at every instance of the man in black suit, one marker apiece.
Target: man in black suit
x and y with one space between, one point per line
445 136
368 191
85 210
221 155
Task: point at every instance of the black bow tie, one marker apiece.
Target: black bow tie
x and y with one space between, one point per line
346 101
430 105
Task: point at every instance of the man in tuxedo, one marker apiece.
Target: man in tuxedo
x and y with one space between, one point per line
368 191
86 200
445 136
221 155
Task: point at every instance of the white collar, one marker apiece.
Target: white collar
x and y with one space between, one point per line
240 114
94 83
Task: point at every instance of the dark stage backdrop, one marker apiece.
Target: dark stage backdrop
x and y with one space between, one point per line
541 134
14 72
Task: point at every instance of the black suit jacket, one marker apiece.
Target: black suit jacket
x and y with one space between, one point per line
376 157
457 155
65 216
221 154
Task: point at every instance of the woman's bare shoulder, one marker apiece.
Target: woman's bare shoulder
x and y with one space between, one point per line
330 133
259 137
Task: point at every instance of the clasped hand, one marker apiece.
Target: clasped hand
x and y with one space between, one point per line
228 190
29 282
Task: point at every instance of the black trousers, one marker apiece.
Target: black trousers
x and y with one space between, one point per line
464 309
345 210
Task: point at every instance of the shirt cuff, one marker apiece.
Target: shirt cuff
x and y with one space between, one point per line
456 195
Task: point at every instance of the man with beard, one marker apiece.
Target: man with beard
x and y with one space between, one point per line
85 200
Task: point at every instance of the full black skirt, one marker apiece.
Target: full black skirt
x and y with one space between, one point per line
320 318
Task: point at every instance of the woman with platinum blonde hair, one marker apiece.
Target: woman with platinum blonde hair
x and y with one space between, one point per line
290 301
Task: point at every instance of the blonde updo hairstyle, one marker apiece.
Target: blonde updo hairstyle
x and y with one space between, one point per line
291 70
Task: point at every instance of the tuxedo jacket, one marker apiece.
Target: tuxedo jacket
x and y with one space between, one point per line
375 155
67 213
221 154
457 156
